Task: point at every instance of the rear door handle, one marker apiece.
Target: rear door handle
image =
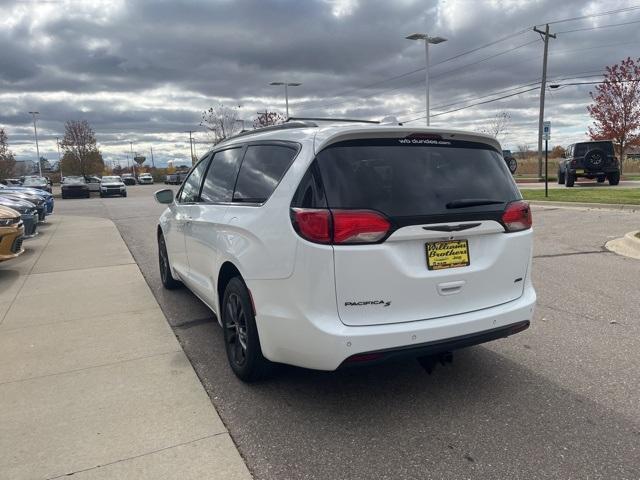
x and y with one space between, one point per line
450 288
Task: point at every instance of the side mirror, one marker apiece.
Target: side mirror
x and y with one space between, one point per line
164 196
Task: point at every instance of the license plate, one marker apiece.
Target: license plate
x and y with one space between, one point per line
449 254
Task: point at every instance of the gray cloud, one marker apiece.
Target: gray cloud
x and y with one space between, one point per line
144 70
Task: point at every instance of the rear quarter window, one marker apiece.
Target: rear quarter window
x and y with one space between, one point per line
262 169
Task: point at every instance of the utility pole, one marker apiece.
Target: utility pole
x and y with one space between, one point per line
543 85
153 165
35 131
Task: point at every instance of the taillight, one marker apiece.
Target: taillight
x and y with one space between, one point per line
339 227
517 216
358 226
314 224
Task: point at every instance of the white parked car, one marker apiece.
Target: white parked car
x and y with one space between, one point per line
112 185
145 179
324 246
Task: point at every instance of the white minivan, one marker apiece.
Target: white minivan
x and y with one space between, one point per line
343 244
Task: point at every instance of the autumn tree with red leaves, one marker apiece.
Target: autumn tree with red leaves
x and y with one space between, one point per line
616 106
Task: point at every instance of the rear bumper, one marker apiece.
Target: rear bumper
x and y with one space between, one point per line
324 344
75 192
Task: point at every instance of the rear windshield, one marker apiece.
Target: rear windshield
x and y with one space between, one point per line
582 148
415 179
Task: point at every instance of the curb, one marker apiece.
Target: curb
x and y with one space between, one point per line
603 206
629 245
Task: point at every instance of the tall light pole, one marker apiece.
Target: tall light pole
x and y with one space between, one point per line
286 92
190 132
133 157
427 40
35 131
59 158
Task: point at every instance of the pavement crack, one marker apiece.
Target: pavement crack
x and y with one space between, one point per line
554 255
138 456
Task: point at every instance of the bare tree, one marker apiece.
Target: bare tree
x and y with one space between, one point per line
497 126
523 150
266 118
221 122
7 162
81 154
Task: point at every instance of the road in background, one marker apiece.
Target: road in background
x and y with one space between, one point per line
560 400
580 183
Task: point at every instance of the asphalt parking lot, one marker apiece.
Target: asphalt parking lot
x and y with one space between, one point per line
560 400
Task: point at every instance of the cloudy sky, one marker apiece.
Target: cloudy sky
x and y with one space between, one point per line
143 71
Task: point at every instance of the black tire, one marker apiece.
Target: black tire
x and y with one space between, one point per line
614 178
512 163
102 195
241 340
167 279
601 178
124 194
88 195
595 159
570 179
560 177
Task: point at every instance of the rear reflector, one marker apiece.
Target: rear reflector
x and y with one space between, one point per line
364 357
517 216
339 227
314 224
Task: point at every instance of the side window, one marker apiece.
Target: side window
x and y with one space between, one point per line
310 193
221 177
262 169
191 187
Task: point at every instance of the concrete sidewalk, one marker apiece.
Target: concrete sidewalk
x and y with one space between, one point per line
92 380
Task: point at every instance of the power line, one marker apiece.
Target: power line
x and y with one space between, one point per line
599 27
594 15
473 105
515 34
406 74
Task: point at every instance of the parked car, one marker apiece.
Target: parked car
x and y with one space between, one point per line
337 245
175 178
11 234
590 160
48 197
112 185
37 200
145 179
512 163
28 214
128 179
75 187
93 183
40 183
11 181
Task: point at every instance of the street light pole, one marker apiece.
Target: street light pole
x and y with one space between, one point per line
286 92
59 158
35 131
427 40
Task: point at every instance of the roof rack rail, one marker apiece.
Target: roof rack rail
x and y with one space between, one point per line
321 119
280 126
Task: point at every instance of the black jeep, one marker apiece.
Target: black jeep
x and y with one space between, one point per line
590 160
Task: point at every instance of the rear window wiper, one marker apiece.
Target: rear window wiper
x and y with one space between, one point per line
472 202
